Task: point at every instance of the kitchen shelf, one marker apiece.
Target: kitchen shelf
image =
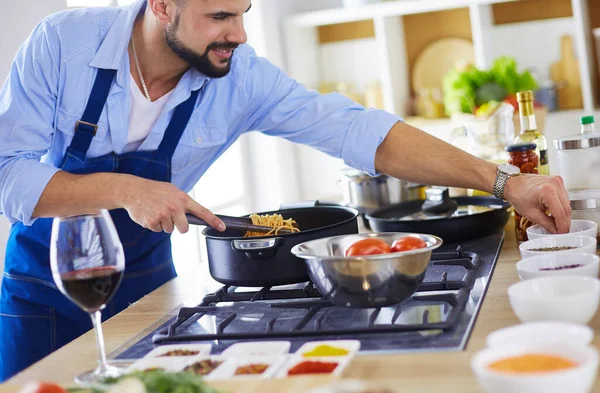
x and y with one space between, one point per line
388 31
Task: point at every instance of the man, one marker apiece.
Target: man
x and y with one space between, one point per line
125 108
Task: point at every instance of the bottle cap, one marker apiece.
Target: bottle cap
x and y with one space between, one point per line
521 147
525 96
587 120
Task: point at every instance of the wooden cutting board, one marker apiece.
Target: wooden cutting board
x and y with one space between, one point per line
437 59
567 70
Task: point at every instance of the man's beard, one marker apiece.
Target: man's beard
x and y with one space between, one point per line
201 62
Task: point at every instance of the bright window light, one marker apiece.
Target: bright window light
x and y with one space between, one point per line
125 2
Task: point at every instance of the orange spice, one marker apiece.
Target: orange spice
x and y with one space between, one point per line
532 363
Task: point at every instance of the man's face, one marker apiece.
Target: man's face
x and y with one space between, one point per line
205 33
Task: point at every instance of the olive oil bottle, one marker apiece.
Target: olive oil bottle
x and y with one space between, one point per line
529 131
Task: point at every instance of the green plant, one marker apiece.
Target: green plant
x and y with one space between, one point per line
468 88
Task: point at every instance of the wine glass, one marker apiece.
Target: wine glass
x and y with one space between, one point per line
87 262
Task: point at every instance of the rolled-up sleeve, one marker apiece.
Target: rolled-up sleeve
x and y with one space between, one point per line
331 123
27 112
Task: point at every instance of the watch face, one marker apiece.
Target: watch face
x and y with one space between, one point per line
509 169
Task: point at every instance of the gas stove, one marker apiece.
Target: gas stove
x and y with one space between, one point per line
438 317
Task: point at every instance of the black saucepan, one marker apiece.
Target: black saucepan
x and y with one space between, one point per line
468 218
267 261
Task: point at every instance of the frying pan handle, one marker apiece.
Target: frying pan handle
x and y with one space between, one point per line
258 248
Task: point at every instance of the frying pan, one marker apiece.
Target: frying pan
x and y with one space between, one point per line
485 215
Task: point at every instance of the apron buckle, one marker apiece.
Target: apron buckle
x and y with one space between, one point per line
85 126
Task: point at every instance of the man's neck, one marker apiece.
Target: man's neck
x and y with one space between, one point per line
161 68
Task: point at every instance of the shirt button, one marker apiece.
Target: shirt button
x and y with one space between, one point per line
199 140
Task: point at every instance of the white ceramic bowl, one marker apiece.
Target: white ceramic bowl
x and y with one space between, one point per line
583 244
562 298
531 267
541 332
576 380
578 227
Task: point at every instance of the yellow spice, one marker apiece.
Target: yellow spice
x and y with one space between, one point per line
326 350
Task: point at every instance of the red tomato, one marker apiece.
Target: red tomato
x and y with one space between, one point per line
42 387
369 246
408 243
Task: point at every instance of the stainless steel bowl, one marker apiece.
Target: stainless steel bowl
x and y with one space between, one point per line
365 281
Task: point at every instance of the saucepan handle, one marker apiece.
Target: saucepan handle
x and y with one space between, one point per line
258 248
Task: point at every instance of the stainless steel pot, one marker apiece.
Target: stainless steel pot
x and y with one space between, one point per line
366 193
370 280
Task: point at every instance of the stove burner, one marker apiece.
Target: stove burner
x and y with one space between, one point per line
305 313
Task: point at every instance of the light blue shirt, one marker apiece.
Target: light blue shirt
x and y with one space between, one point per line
52 76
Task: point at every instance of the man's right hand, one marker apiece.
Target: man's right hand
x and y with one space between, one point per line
160 206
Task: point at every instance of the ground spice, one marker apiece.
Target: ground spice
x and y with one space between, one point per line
561 267
180 352
532 363
326 350
251 369
562 248
203 367
311 367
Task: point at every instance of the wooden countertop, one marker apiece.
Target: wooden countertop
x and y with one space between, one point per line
416 373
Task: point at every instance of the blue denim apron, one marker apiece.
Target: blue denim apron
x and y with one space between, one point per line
35 318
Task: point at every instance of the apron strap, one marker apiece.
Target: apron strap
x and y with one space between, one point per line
178 123
85 129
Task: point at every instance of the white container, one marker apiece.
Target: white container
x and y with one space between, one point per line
578 227
541 332
531 267
585 205
584 244
578 158
562 298
579 379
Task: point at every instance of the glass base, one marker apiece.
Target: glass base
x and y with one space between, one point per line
95 377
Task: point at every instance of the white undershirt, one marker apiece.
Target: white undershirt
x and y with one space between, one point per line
143 114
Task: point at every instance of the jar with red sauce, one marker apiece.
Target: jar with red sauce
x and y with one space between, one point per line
523 156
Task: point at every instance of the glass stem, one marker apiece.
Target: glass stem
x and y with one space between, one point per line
97 322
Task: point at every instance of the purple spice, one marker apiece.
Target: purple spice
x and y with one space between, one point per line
562 267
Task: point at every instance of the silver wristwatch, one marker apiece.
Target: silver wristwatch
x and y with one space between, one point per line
503 173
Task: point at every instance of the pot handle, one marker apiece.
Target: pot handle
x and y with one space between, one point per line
258 248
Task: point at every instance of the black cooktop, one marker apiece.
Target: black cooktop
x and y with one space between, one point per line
439 316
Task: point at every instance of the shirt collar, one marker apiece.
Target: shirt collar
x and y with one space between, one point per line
112 53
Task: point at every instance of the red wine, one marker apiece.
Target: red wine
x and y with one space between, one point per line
91 288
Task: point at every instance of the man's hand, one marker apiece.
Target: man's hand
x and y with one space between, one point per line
160 206
533 196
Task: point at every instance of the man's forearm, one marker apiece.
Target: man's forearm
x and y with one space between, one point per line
69 195
410 154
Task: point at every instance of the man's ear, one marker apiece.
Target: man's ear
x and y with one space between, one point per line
162 9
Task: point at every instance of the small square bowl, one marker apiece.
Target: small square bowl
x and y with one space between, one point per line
578 227
217 363
561 298
190 350
228 369
173 364
579 379
559 264
584 244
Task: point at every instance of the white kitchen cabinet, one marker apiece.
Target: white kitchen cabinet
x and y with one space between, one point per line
392 51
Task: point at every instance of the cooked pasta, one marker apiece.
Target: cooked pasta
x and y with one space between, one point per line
275 221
